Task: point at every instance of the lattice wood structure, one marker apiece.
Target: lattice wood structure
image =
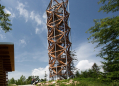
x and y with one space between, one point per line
6 62
59 44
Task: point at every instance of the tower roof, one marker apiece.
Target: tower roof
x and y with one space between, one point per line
7 55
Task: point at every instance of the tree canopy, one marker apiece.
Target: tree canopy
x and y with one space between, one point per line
112 5
95 68
4 20
106 33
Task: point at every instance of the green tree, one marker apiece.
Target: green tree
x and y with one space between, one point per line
29 80
106 33
90 73
84 74
4 20
18 82
77 74
23 80
112 5
73 56
96 70
11 81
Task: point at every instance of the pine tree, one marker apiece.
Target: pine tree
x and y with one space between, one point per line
96 70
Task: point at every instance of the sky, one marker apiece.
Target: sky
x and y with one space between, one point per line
29 34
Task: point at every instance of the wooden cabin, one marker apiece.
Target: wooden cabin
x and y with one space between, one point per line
6 61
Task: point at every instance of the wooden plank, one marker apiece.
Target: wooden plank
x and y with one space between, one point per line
53 63
57 2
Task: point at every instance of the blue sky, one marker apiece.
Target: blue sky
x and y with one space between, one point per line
29 34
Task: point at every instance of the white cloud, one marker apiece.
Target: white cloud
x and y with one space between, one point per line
2 36
40 20
13 15
84 64
41 72
37 30
36 18
22 41
45 16
85 50
44 24
23 12
87 56
32 15
8 12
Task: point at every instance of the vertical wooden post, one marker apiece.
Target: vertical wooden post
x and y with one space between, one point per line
6 79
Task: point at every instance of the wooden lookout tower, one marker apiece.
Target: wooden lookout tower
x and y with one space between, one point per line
59 44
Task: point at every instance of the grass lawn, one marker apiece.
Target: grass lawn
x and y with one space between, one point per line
82 82
86 82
